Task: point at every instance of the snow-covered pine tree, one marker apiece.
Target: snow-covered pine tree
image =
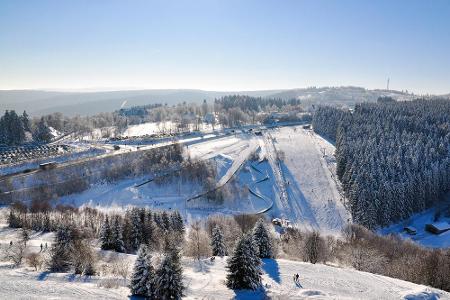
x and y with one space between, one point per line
244 266
218 243
169 277
142 280
136 230
106 236
263 242
26 121
117 238
46 225
166 224
177 222
42 132
60 252
149 230
126 232
13 220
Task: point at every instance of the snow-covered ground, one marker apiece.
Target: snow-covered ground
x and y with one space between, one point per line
313 198
301 187
316 282
422 237
207 281
161 127
226 153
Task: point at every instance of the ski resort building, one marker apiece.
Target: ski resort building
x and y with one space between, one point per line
437 227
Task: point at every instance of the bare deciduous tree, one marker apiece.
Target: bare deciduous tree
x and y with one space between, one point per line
35 260
121 267
15 253
198 244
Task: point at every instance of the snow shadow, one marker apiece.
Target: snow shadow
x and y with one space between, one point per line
270 266
136 298
250 295
300 207
202 266
78 278
43 276
71 277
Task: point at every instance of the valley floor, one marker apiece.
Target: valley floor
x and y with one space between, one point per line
300 186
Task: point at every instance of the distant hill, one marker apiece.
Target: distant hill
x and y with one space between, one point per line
88 103
341 95
37 102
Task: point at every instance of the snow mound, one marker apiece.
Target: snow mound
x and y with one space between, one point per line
311 294
425 294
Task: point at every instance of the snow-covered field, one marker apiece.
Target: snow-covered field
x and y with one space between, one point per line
422 237
207 281
316 282
161 127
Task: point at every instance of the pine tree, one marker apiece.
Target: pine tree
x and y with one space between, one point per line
117 238
262 240
106 236
126 233
149 231
12 131
217 242
136 230
169 277
143 275
13 220
60 252
166 224
42 132
177 222
25 121
244 266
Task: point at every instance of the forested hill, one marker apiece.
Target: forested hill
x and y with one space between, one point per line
72 103
393 159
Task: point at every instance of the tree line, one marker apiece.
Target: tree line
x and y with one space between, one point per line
160 240
393 158
228 111
17 129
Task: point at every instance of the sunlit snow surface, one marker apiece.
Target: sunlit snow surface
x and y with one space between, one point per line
207 280
422 237
306 172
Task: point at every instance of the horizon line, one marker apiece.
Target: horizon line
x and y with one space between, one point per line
122 89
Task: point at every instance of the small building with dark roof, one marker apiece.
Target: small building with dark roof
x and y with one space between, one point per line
437 227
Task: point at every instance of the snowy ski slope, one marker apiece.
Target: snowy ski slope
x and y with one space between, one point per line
314 201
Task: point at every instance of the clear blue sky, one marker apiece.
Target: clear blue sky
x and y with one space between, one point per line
225 45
